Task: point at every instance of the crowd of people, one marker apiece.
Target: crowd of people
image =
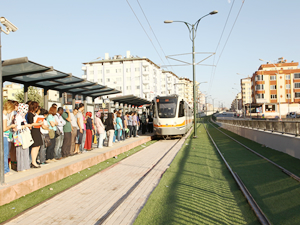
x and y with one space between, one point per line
38 136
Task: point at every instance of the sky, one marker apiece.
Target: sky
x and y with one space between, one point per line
64 34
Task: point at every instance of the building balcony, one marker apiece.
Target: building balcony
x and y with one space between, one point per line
145 73
261 100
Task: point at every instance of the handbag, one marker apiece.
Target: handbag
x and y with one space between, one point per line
17 138
51 134
57 133
95 139
47 140
26 138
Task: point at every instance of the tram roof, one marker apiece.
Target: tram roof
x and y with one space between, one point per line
130 100
26 72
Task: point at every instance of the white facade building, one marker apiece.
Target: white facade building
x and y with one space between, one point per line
133 76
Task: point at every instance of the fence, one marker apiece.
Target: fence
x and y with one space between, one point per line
284 127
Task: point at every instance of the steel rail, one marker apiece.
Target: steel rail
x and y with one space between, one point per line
256 153
130 190
258 212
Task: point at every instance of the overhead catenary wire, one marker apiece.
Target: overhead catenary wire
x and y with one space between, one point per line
145 31
213 68
225 44
154 34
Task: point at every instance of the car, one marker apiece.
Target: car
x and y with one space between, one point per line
292 115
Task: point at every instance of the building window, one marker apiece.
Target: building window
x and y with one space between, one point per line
297 75
100 81
273 96
288 86
138 87
137 69
273 87
297 95
128 78
128 88
259 77
91 72
107 79
260 96
297 85
116 70
259 87
288 77
288 96
107 71
273 77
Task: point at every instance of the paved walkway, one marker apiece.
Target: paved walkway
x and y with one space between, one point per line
22 183
88 201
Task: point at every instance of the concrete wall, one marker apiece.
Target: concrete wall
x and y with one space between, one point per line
281 142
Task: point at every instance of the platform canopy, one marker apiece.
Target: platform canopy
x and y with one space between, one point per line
29 73
130 100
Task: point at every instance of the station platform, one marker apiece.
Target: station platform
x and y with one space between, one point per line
22 183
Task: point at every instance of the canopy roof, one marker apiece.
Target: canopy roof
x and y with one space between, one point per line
26 72
130 100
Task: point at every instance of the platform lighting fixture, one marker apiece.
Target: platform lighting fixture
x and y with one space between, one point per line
192 29
9 28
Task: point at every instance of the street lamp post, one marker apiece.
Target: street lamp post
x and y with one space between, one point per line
192 29
9 27
276 85
236 103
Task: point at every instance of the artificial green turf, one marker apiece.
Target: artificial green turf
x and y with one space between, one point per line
197 189
17 206
285 160
277 194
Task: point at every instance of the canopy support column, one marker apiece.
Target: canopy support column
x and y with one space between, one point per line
85 103
46 98
73 101
61 100
25 93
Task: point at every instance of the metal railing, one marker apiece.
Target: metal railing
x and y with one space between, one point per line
283 127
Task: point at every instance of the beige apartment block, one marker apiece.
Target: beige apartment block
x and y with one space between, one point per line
276 88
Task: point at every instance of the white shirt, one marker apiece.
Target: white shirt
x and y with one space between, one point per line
42 130
74 121
61 122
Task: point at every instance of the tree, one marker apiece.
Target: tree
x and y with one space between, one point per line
33 95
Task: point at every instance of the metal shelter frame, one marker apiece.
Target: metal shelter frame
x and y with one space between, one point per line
26 72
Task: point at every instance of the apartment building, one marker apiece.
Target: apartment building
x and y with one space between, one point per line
10 91
136 75
246 91
276 88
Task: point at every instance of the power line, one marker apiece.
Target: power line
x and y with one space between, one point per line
154 33
145 32
227 40
213 69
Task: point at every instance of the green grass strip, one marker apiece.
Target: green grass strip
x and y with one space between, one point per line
285 160
197 189
19 205
277 194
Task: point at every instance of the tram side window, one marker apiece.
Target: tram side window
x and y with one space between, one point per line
181 109
154 109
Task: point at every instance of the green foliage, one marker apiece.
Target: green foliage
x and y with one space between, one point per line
33 95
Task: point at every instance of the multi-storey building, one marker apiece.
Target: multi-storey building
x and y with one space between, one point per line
135 75
10 91
246 91
276 88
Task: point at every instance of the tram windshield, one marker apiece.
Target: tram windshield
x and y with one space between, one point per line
166 107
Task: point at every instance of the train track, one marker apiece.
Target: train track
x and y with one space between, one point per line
256 208
258 212
256 153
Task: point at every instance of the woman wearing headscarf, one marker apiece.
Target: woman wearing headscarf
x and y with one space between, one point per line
89 133
110 129
100 129
21 123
